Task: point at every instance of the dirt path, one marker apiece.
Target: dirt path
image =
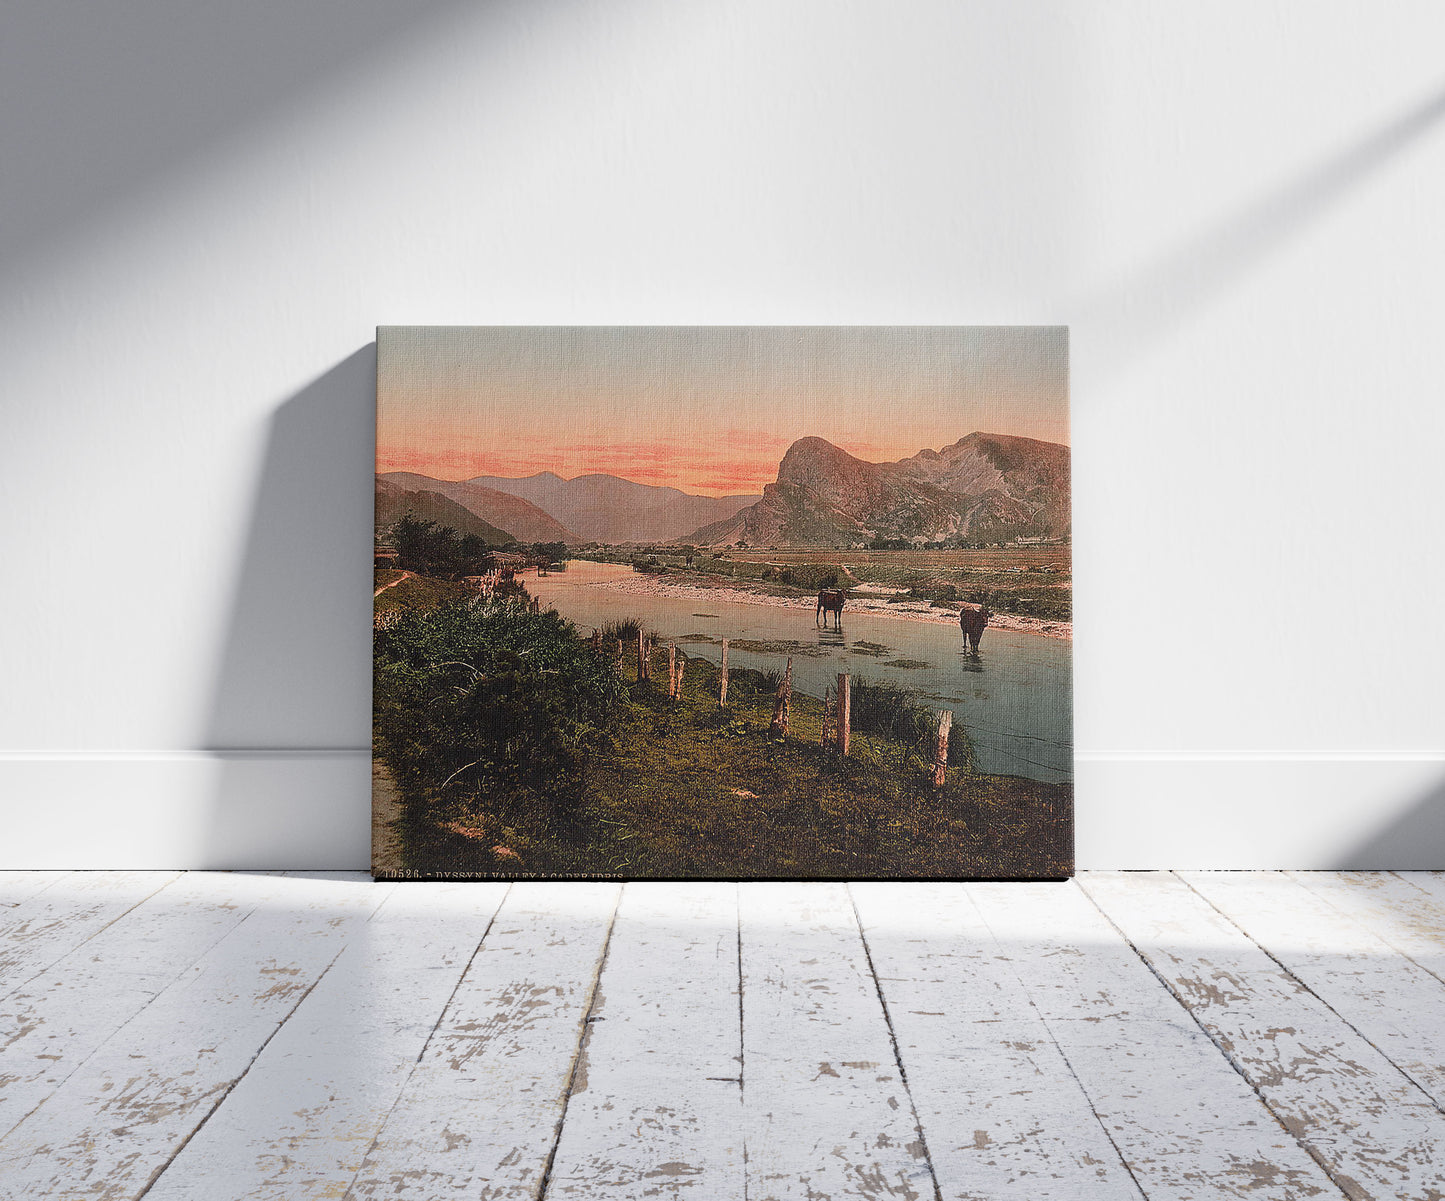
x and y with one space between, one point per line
385 810
405 575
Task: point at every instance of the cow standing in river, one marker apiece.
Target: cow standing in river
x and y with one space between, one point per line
971 620
830 600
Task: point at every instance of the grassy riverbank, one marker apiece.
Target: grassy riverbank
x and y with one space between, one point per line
638 785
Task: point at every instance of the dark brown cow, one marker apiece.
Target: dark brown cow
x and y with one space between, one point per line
830 600
971 620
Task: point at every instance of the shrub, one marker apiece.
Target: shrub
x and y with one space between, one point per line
626 629
489 698
752 680
892 711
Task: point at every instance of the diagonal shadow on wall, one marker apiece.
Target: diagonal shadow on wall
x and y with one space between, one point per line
105 102
1147 305
1414 841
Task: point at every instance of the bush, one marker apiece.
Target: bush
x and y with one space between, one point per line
626 629
487 698
754 681
892 711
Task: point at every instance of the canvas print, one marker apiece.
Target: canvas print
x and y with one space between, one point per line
753 602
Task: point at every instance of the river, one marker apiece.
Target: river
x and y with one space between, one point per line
1015 699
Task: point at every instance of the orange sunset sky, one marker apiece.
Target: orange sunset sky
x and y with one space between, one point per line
706 409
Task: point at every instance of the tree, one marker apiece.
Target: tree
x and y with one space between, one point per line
429 548
423 546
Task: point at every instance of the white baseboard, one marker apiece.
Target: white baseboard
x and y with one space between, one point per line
186 809
1366 810
310 809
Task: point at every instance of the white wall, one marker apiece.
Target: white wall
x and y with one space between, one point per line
205 208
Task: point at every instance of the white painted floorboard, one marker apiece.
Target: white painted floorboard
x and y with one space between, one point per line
826 1110
1190 1036
656 1104
301 1121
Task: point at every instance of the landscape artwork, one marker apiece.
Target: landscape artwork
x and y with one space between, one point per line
723 603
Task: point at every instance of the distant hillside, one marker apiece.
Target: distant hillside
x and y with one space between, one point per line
985 486
394 502
607 508
525 520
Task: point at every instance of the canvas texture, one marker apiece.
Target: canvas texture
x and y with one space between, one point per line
723 603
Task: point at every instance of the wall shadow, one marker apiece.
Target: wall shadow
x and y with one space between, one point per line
106 101
1413 842
290 715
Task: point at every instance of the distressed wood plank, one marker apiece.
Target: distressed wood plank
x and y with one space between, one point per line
1002 1114
826 1111
300 1123
1186 1124
16 887
123 1114
1400 907
479 1115
1395 1004
1430 883
54 1022
48 925
1374 1130
656 1107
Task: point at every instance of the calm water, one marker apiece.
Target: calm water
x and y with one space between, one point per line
1015 698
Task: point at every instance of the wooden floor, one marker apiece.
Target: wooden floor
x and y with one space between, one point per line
1190 1035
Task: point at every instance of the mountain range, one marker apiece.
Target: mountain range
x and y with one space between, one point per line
607 508
590 508
983 487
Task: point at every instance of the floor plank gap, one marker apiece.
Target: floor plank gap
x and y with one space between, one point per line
893 1042
160 1170
426 1043
579 1057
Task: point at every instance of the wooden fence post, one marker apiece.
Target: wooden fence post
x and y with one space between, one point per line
647 658
619 656
722 696
672 671
940 758
845 712
641 657
781 705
